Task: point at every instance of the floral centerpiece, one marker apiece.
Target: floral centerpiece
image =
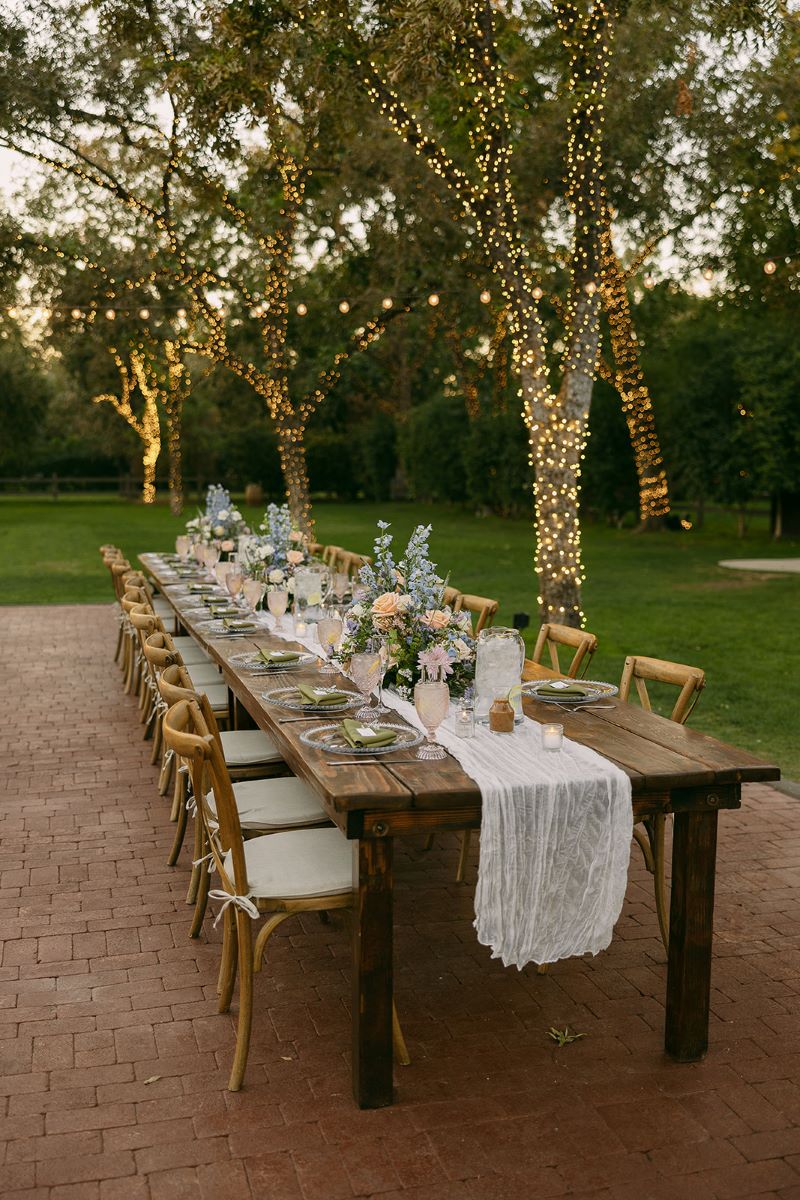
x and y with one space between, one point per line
274 554
221 522
401 605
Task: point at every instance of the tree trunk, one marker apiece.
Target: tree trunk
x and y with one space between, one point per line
295 477
174 414
149 460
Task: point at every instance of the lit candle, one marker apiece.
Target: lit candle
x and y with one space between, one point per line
300 628
552 736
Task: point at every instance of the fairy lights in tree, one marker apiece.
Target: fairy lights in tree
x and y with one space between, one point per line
146 427
555 421
627 377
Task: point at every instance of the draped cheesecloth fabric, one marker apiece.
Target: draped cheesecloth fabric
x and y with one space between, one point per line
555 841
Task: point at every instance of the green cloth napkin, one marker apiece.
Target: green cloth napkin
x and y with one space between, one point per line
202 587
226 610
236 626
572 689
271 657
358 735
317 696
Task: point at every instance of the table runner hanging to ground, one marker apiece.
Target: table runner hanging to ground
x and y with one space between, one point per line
555 841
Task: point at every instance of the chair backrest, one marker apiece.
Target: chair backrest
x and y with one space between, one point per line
160 652
691 681
187 732
450 596
482 606
350 562
330 554
315 549
174 683
582 642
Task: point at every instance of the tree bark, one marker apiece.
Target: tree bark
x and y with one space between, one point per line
295 477
174 418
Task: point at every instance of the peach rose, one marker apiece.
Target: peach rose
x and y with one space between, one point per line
436 618
296 535
295 557
385 607
227 546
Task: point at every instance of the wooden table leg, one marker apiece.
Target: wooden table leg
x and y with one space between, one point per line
372 973
694 852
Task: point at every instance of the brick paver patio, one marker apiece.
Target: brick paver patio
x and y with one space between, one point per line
113 1061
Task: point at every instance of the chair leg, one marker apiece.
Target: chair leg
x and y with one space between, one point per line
657 828
466 837
401 1054
428 843
200 848
227 963
201 904
157 739
120 636
180 834
245 1021
167 767
264 934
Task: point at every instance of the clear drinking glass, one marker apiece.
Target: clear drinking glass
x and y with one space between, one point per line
329 632
382 649
431 700
276 603
253 592
234 581
222 570
365 672
198 551
182 546
211 557
341 582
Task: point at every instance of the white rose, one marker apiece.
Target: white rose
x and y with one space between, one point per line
463 651
356 611
223 514
405 602
276 576
267 551
290 585
235 514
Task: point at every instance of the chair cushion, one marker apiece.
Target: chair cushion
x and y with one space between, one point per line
189 650
298 864
248 747
203 673
275 803
217 694
163 608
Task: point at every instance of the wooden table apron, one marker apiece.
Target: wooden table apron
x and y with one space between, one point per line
672 770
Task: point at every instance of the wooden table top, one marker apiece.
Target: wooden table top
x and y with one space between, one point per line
657 754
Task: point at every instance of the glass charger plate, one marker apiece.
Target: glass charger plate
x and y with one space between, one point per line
219 630
253 663
289 697
597 691
330 739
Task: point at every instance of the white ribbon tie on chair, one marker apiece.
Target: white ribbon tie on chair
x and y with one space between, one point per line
242 902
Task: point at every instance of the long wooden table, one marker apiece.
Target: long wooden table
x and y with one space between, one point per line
672 770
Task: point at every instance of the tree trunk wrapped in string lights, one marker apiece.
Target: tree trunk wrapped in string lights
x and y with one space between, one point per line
556 420
627 377
163 376
147 426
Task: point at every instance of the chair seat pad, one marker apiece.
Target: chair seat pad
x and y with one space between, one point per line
248 748
275 803
216 694
163 608
204 673
189 650
298 864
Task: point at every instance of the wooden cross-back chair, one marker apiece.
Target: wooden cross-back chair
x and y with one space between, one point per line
250 755
350 563
280 874
650 839
330 554
551 636
480 606
449 597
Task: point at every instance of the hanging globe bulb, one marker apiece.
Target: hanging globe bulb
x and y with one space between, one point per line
386 303
301 310
770 267
76 314
433 299
110 314
537 293
144 313
485 296
344 306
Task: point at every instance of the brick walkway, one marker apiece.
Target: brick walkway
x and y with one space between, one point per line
113 1061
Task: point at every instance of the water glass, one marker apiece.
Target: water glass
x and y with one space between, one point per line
365 671
341 582
234 582
182 547
253 592
329 632
431 700
276 603
211 557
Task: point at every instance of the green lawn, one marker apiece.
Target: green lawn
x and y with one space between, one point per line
659 594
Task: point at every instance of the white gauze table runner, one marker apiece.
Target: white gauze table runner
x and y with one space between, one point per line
555 841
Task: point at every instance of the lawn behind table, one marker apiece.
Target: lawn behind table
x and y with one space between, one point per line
660 594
